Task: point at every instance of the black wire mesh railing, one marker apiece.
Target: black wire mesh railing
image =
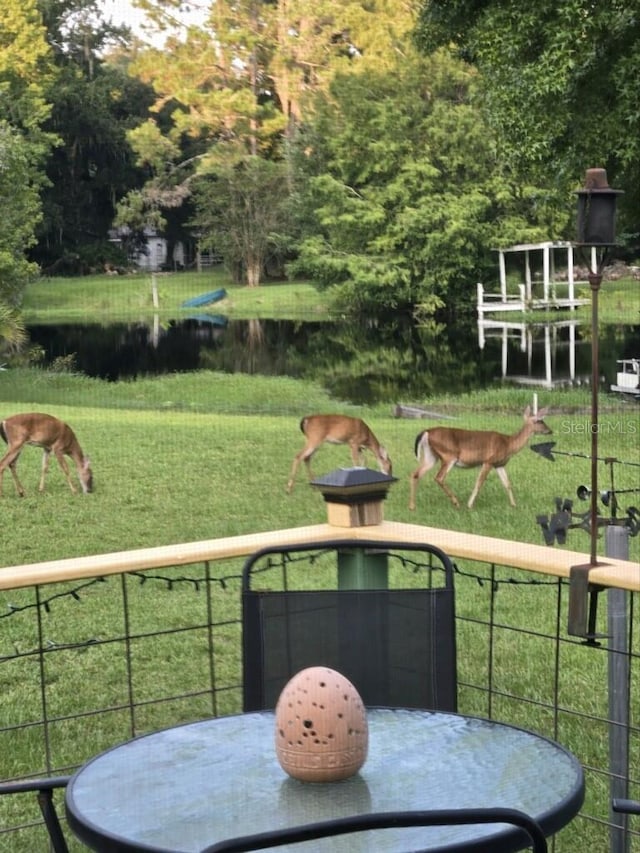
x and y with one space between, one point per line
88 664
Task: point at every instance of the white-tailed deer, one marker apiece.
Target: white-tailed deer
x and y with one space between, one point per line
53 436
469 448
337 429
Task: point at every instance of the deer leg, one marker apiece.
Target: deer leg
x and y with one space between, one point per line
65 470
10 460
304 456
14 473
504 479
307 462
46 456
440 480
45 468
292 475
482 476
357 455
416 476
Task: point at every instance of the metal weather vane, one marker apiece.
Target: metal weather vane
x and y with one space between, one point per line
555 527
545 449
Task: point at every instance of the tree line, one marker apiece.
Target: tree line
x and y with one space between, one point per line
380 148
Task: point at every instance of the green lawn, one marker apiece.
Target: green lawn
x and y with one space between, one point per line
199 455
111 298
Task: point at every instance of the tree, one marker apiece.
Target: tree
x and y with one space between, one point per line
242 210
94 102
213 86
237 85
25 72
245 71
20 211
317 39
407 197
558 83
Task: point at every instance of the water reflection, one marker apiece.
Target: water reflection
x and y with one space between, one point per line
556 353
548 351
393 360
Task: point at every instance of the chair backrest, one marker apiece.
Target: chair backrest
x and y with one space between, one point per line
43 788
395 644
531 832
622 806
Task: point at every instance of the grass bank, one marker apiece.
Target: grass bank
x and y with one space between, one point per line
111 298
129 297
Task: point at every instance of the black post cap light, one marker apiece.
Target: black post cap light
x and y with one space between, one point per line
597 210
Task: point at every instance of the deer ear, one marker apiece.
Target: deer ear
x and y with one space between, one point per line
527 412
542 413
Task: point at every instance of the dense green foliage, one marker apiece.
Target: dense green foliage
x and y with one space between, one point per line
93 104
558 86
20 212
244 211
237 88
25 74
401 174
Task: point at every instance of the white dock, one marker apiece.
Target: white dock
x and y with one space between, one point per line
556 293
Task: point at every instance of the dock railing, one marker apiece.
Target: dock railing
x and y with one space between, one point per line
98 649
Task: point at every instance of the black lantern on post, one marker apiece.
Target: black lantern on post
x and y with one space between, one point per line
596 229
597 211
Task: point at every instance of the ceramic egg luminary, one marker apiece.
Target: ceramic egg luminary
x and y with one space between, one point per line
321 726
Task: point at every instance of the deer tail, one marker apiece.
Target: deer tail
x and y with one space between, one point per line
418 448
3 434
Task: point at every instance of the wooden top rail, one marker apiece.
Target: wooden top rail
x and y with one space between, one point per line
622 574
610 572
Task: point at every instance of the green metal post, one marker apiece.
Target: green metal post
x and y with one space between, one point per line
363 569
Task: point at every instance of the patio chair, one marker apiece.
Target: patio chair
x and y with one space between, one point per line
532 834
395 644
44 789
626 806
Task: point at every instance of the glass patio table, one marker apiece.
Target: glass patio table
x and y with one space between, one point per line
187 787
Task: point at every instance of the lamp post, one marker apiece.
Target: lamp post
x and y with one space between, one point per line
596 229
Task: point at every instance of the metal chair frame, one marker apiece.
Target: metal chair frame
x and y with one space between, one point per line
626 806
44 789
385 820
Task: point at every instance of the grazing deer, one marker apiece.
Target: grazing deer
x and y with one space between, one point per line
469 448
337 429
53 436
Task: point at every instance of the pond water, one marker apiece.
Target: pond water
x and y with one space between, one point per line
367 362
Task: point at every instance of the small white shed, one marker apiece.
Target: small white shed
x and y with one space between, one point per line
154 257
